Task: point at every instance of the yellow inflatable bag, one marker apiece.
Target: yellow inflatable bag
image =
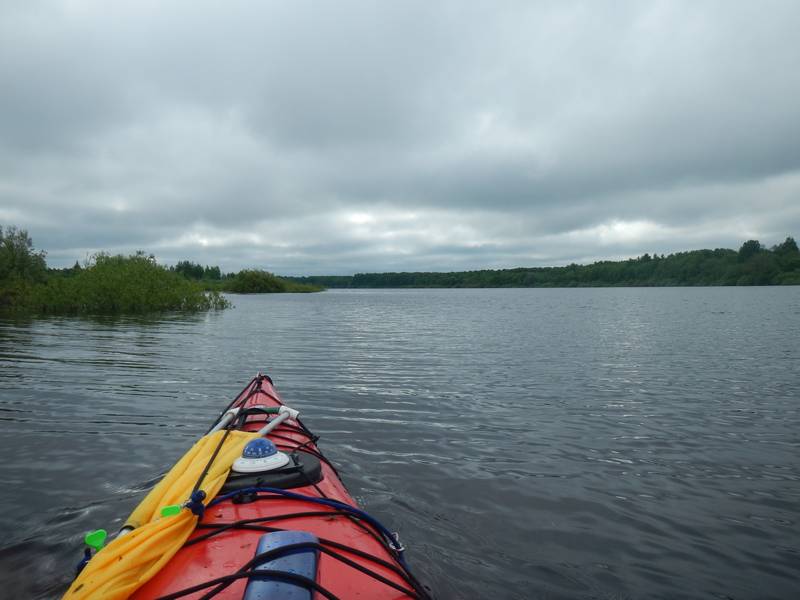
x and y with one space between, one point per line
128 562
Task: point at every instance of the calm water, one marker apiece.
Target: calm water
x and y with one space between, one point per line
586 443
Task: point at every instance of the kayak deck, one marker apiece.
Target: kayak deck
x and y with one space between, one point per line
355 560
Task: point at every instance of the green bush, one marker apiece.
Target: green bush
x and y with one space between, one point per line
117 284
18 260
252 281
255 281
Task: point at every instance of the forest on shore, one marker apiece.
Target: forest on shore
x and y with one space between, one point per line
752 264
119 284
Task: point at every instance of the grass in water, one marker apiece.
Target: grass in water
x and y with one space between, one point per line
108 285
117 284
120 284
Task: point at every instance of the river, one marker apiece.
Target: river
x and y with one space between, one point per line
554 443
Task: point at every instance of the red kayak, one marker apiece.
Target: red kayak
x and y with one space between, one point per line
283 525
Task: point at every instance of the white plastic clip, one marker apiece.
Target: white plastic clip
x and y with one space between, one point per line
293 414
229 416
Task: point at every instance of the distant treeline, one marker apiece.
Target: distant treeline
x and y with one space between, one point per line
118 284
752 264
197 272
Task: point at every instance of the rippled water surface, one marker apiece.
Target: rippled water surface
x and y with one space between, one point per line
584 443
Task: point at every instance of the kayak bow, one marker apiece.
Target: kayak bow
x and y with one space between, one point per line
252 511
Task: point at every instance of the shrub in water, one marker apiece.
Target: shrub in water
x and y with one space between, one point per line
121 284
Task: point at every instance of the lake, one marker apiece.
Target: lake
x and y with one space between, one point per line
553 443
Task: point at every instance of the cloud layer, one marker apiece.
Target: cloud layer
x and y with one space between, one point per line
313 138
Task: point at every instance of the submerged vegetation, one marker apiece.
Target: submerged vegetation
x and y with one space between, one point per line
118 284
121 284
752 264
107 284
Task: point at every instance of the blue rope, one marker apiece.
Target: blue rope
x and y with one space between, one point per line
357 512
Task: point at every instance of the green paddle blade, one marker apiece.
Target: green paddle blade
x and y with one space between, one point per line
171 510
96 539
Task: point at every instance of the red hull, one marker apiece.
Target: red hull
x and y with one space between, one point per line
227 552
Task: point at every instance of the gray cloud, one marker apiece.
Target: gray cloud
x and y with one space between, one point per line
360 136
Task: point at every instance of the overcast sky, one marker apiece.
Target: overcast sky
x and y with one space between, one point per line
340 137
